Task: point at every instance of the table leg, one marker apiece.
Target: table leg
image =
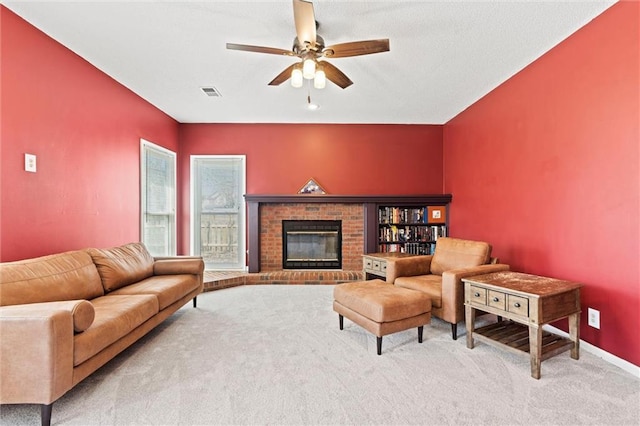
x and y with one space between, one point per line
574 334
470 320
535 350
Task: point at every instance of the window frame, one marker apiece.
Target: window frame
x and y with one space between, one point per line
145 147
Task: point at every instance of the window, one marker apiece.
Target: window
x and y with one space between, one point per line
218 210
158 199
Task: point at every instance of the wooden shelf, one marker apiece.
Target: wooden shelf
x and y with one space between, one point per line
514 337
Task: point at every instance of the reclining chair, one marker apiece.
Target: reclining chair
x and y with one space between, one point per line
440 275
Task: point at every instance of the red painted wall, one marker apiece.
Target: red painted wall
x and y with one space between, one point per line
344 159
545 167
85 129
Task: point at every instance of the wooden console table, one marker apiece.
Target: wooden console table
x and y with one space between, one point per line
528 302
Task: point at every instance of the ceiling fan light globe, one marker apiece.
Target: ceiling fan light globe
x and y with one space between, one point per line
320 80
308 69
296 78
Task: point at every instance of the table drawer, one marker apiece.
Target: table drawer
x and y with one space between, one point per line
383 266
478 295
496 300
376 265
368 263
518 305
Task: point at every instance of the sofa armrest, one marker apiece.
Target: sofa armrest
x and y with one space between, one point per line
36 350
178 265
453 289
408 267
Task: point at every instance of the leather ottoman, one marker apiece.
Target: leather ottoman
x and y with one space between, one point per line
381 308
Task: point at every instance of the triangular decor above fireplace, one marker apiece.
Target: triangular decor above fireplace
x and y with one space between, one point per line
311 187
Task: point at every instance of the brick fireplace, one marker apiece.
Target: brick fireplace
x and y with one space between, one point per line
272 215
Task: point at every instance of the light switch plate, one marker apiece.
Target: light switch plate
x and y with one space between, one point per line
30 163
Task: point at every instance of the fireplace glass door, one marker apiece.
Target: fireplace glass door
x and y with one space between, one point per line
311 244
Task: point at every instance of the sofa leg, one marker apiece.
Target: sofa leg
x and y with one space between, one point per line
195 302
420 329
45 414
454 331
341 321
379 344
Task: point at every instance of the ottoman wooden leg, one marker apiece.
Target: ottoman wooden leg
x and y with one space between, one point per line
341 321
379 344
420 330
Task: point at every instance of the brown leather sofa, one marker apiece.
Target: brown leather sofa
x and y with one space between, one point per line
440 275
65 315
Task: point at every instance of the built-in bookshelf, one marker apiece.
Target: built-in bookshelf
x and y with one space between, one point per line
412 229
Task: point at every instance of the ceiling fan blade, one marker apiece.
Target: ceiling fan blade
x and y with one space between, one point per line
259 49
356 48
283 76
305 22
335 75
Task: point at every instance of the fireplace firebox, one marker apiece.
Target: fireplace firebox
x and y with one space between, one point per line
311 244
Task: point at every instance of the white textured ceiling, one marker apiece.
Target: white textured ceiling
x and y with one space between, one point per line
444 56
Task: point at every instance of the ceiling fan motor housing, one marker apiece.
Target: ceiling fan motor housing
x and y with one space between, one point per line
303 49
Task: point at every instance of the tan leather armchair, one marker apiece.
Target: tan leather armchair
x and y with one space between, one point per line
440 275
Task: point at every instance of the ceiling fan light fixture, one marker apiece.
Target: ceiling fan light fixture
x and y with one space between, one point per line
308 68
320 79
296 78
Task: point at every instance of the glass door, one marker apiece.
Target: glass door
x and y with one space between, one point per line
218 210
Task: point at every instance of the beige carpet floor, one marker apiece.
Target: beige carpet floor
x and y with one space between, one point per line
275 355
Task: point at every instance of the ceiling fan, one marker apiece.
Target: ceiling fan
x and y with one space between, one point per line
310 48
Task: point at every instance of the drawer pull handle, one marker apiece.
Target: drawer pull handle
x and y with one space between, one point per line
495 299
517 305
476 294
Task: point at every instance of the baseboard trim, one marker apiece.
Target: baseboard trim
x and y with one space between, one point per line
610 358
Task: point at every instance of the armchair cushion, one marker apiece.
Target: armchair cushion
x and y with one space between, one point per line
429 284
453 253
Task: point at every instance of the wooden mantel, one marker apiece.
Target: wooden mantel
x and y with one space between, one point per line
370 214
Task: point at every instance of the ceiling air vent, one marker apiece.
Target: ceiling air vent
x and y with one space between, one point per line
211 91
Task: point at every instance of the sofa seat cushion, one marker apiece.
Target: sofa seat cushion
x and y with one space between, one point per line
167 288
115 317
454 253
123 265
430 284
57 277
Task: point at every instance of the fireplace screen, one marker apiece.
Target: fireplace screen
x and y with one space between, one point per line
311 244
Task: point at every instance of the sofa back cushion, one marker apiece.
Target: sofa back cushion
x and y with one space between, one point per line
63 276
123 265
453 253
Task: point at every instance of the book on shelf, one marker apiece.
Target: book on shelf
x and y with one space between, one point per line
400 215
412 215
411 233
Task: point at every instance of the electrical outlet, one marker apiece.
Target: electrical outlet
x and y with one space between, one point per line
30 163
594 318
